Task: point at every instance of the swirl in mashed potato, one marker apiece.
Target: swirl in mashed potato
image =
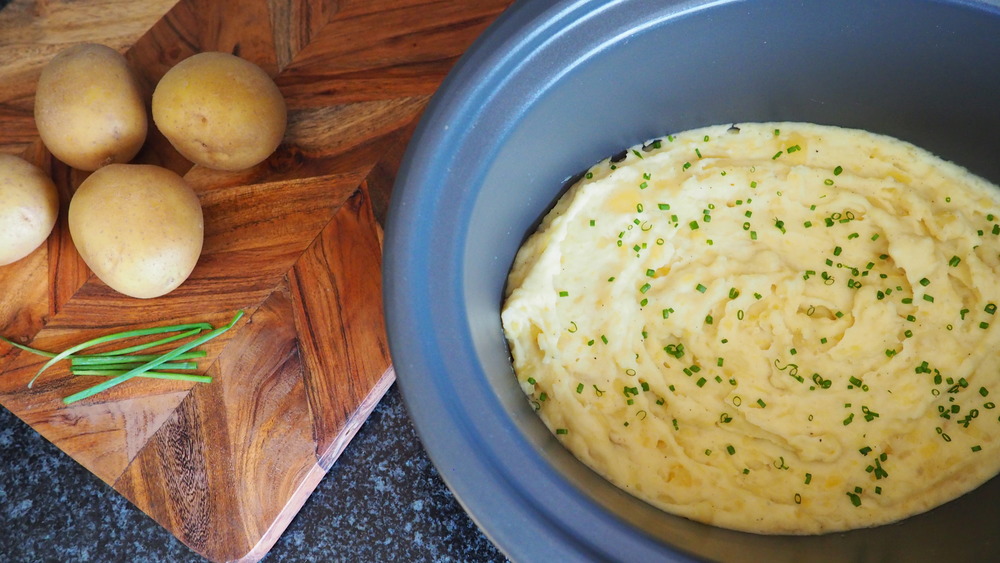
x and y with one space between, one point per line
778 328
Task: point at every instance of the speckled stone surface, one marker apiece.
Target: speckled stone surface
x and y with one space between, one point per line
382 501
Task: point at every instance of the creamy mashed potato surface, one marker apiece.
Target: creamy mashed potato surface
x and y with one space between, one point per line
778 328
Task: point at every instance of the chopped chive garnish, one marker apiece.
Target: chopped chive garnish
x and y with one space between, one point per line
701 288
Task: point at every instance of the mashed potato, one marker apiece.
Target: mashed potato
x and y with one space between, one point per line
777 328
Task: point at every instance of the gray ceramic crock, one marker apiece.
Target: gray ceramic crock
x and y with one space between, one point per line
554 86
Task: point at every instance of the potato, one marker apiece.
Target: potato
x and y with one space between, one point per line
89 107
220 111
139 227
29 206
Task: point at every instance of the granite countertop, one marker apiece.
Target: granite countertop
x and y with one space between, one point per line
381 501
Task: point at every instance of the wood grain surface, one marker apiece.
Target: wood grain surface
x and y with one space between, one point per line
294 242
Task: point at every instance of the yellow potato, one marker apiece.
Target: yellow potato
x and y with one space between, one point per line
89 107
29 206
139 227
220 111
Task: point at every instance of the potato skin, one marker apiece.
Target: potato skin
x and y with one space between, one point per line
29 207
220 111
89 107
139 227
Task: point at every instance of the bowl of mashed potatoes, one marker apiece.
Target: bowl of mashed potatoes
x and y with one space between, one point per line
711 280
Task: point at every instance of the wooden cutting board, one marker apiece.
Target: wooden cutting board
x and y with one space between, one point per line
294 242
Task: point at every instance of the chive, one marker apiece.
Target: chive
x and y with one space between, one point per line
809 478
153 363
563 294
761 403
650 273
663 206
730 449
837 171
134 358
929 298
701 288
125 366
188 330
562 431
579 388
776 155
693 225
955 260
148 374
990 308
